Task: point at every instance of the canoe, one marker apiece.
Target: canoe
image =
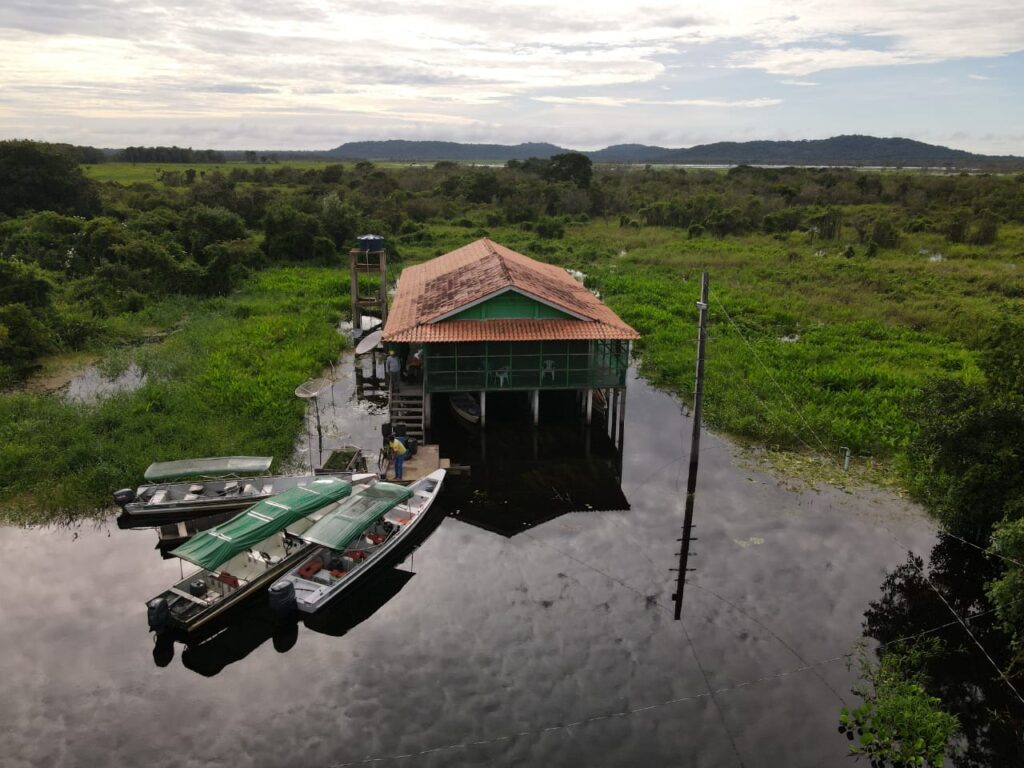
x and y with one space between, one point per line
465 405
353 541
220 466
164 503
238 558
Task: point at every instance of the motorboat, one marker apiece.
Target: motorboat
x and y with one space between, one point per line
353 540
197 494
237 558
465 405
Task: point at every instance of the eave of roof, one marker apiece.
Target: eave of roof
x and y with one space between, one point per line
512 330
439 288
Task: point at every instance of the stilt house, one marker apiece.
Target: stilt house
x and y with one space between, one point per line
489 319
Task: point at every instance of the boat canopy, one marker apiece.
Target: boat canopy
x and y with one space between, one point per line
342 526
216 546
221 466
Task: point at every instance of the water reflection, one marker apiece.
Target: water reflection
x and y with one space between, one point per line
520 476
990 716
254 624
553 627
92 385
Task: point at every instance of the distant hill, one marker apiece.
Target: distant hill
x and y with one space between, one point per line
838 150
411 151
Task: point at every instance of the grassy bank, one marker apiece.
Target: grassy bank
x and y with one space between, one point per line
222 385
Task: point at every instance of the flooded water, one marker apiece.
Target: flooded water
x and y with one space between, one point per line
91 385
519 632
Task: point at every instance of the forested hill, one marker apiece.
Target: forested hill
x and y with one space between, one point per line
838 150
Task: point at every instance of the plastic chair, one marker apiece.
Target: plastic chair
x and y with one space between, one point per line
549 370
502 375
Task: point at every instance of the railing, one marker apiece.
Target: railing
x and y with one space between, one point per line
531 370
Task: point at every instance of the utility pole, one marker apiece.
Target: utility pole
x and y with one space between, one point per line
691 480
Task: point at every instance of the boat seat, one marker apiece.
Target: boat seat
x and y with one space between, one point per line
268 488
196 488
249 490
264 557
159 497
190 497
230 487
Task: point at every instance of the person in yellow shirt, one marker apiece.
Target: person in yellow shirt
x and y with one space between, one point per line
399 450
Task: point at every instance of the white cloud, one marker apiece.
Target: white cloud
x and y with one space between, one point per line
423 63
608 101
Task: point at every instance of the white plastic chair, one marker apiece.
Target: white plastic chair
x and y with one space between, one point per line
549 370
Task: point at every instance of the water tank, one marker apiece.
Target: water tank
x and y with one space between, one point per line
369 243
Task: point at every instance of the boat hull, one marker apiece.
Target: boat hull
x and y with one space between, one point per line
141 514
383 556
465 406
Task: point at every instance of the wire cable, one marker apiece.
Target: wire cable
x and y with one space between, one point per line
651 707
957 617
770 374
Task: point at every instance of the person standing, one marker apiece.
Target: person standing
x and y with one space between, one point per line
392 370
399 450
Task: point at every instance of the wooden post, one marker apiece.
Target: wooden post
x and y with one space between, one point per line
427 399
613 408
536 406
383 268
354 290
483 408
691 480
590 405
622 417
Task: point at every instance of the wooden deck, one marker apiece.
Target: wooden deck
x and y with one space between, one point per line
427 459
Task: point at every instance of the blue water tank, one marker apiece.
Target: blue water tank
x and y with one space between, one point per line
371 243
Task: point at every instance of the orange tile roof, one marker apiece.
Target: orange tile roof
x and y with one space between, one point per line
429 291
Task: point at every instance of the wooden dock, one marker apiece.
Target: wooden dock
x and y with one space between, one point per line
427 459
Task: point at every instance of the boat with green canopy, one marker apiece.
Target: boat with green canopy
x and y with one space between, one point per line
220 466
353 540
246 553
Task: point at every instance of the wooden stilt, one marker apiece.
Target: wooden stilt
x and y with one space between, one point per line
622 417
590 405
613 408
536 406
483 408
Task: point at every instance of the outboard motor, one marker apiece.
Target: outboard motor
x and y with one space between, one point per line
124 497
282 599
158 613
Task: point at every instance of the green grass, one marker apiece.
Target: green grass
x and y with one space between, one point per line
222 385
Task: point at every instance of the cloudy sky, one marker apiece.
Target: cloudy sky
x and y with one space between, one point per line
263 74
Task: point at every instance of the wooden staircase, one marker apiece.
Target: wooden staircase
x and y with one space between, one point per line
405 406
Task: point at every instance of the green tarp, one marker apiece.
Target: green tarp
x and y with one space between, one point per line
342 526
216 546
221 466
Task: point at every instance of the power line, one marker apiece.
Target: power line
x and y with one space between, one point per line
983 549
651 707
957 617
770 375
